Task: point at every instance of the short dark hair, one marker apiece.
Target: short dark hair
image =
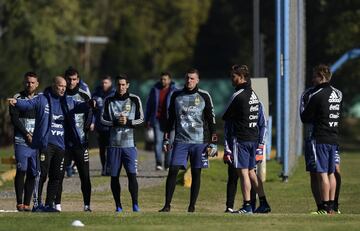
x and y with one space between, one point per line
241 70
323 70
122 76
192 71
108 77
70 72
31 74
165 73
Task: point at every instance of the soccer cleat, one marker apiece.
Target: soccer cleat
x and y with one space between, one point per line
118 209
263 209
74 170
319 212
50 209
191 209
136 208
58 207
337 211
166 209
20 207
87 208
159 168
228 210
38 208
26 208
244 210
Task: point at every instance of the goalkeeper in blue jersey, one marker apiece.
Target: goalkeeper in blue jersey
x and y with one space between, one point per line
191 112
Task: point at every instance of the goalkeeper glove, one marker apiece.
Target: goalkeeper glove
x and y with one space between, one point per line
211 150
259 156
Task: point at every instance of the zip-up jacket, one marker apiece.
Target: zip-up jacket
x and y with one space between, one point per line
243 112
82 120
43 117
262 126
152 102
323 111
100 96
23 121
128 105
192 114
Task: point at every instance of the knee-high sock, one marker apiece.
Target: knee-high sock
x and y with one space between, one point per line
338 186
170 184
133 187
116 189
19 185
195 185
231 186
29 188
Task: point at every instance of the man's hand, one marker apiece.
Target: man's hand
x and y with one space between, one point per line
92 127
29 138
12 101
122 120
166 145
92 103
228 156
259 156
228 159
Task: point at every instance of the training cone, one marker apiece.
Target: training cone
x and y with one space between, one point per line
77 223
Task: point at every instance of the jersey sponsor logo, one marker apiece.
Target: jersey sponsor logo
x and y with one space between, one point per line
334 116
253 117
254 108
191 109
334 107
57 133
252 125
334 98
58 117
253 99
333 124
188 124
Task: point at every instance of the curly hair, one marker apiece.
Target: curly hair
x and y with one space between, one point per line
241 70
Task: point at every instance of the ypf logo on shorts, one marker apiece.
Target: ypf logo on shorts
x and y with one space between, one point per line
42 157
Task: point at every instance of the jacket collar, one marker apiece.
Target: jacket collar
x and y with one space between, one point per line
246 85
187 91
121 97
73 91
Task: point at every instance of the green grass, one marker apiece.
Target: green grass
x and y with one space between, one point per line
291 204
4 153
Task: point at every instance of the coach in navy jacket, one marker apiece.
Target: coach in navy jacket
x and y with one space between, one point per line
156 114
41 104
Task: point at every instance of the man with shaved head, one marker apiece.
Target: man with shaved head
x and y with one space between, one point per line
54 130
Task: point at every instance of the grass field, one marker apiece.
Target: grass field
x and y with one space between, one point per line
291 204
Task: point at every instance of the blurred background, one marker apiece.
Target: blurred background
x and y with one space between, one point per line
143 38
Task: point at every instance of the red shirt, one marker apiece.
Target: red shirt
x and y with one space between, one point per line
161 110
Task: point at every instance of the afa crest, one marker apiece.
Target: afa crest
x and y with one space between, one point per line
197 100
42 157
128 107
